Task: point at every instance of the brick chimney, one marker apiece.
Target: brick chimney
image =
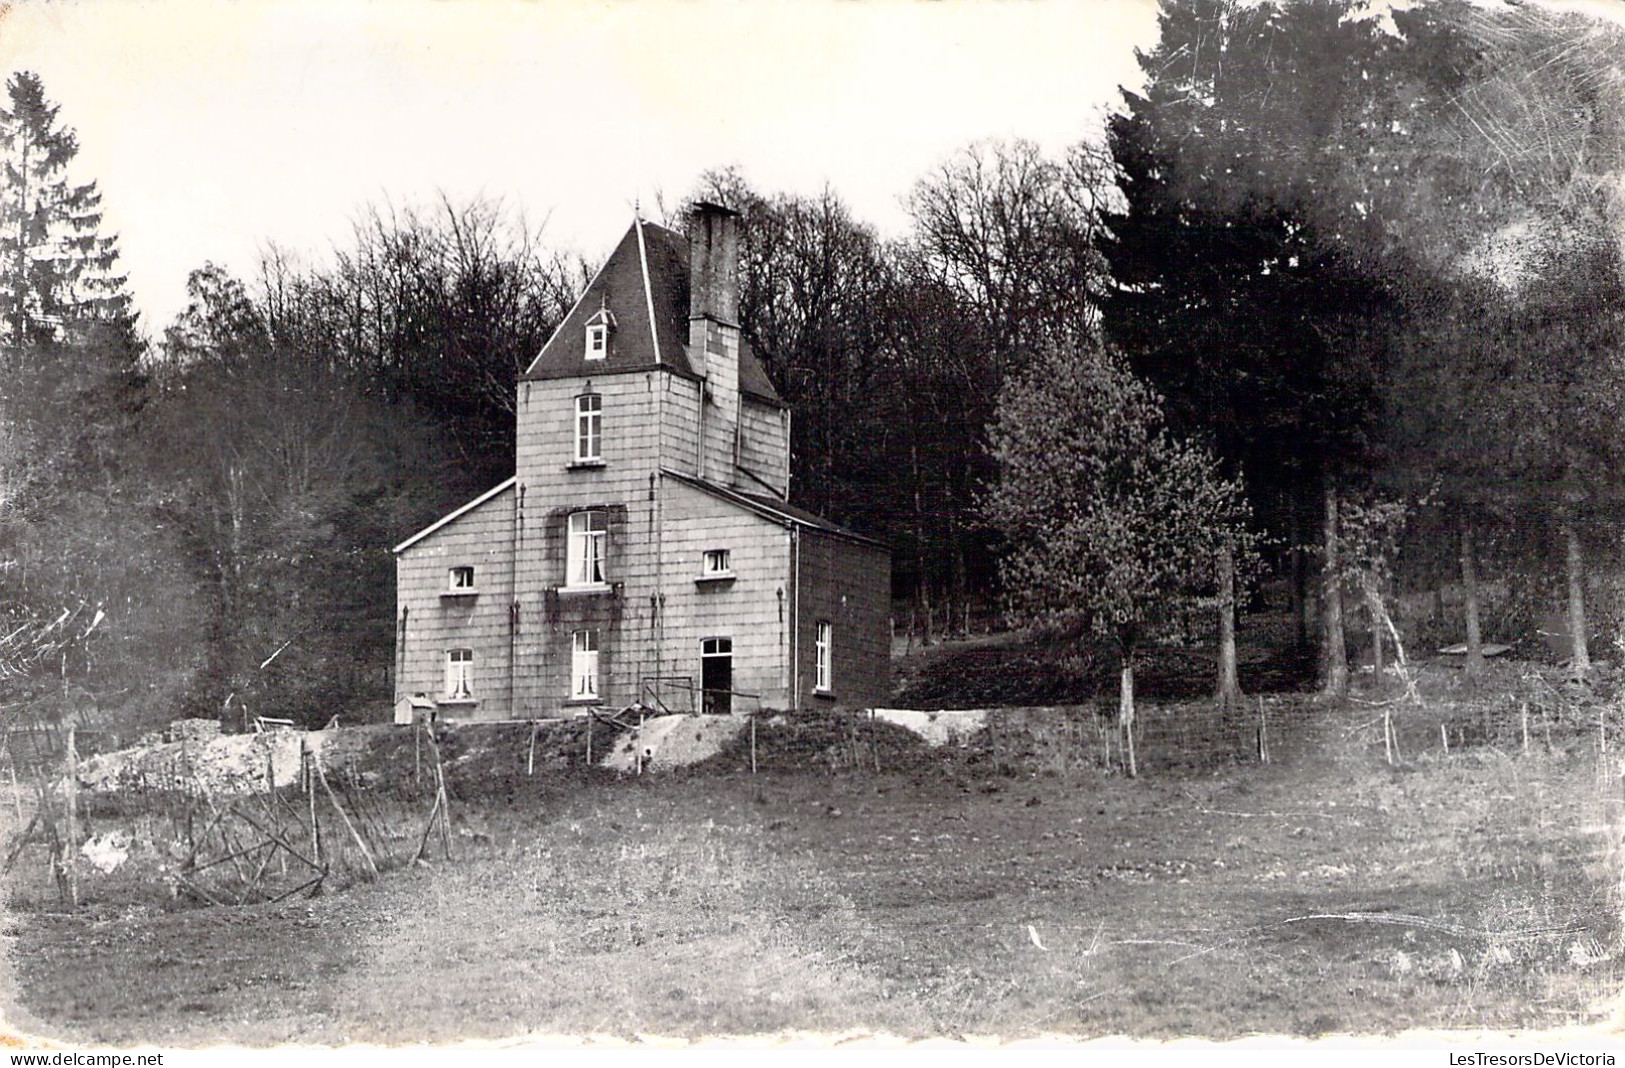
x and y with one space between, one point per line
713 263
713 336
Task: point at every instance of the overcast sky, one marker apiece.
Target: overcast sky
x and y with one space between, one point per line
213 128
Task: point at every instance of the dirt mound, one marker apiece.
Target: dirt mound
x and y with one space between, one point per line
223 764
673 742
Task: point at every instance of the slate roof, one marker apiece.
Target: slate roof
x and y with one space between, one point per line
644 284
771 508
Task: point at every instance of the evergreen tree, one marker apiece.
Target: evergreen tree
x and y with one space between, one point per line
57 272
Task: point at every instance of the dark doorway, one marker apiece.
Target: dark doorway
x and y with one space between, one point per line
717 675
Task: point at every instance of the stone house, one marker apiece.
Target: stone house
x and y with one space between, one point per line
645 550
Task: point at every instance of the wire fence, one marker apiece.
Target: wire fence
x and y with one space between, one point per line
202 819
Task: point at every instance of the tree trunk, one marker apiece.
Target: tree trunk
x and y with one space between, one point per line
1469 586
1300 581
1229 685
1125 710
1334 650
1376 643
1580 656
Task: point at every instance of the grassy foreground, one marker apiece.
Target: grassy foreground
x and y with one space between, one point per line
1324 893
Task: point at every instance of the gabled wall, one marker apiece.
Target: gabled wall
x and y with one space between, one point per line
428 622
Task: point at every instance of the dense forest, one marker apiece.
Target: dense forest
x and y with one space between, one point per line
1361 273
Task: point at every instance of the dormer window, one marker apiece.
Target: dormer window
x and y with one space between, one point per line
599 329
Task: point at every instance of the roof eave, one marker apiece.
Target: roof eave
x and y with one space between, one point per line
494 491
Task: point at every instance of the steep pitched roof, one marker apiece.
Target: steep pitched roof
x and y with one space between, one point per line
495 491
644 286
771 508
753 380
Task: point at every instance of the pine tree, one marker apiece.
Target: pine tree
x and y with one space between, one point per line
57 271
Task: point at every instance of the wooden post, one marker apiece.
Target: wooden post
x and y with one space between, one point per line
1388 735
530 761
1444 738
70 849
590 718
16 797
417 750
310 797
355 834
442 799
1263 733
753 745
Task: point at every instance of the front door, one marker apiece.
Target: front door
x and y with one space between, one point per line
717 675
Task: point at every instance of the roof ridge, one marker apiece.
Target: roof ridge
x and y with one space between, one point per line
648 290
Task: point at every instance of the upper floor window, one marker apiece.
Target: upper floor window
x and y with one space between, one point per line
717 562
589 534
589 427
599 329
461 580
459 674
823 659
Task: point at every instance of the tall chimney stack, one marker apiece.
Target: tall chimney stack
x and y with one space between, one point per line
713 245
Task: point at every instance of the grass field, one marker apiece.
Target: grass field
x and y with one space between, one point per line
1325 893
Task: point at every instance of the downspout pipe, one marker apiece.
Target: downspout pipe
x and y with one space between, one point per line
795 617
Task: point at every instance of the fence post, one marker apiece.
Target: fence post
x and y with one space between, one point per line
753 745
71 846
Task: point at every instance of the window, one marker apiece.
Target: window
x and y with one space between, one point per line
589 424
584 665
588 534
459 674
599 329
823 657
717 562
462 580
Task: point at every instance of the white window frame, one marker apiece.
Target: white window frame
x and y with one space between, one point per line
455 579
459 674
716 563
584 665
824 657
590 428
597 341
588 534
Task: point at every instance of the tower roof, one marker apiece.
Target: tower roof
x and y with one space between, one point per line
644 286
